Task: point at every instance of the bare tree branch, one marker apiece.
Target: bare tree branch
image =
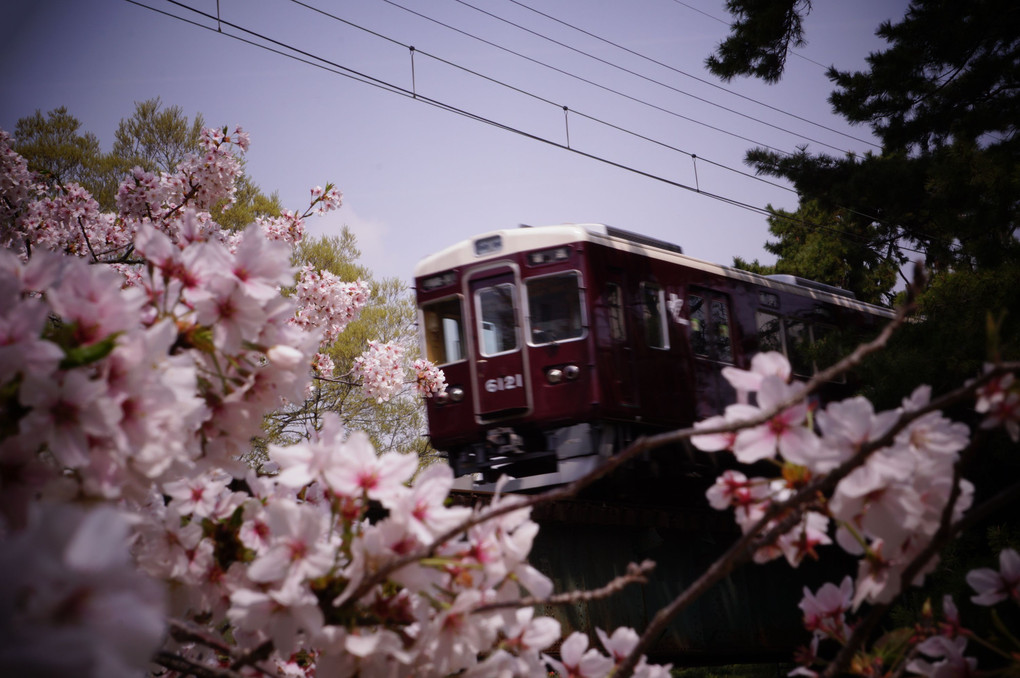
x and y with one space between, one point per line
636 574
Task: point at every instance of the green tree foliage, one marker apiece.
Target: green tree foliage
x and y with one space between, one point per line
249 204
153 138
763 32
58 149
54 146
942 98
827 247
390 314
156 138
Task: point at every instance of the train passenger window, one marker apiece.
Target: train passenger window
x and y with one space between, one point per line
653 315
721 335
497 319
798 347
709 318
770 332
699 326
444 333
554 308
614 303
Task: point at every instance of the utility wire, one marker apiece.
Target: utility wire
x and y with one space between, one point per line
352 75
645 77
693 77
396 89
581 114
535 61
537 97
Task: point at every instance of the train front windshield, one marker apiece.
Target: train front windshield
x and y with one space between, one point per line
496 314
554 306
444 331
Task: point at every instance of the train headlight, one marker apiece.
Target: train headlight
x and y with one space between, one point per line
456 394
571 372
555 375
443 398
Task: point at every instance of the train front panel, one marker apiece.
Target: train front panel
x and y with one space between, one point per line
511 333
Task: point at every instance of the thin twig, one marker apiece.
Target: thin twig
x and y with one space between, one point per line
636 574
187 667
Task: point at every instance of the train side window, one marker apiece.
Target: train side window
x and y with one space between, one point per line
614 303
721 325
444 331
699 324
798 347
653 315
770 332
554 308
497 320
709 317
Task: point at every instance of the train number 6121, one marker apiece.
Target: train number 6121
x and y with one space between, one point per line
504 383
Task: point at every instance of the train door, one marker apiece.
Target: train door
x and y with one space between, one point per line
712 346
620 350
502 385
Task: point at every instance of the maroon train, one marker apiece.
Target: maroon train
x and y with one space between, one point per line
562 343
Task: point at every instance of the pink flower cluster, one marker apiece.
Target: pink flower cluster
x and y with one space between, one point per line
140 386
73 603
379 370
326 199
999 401
429 379
141 193
577 659
18 186
327 302
69 220
207 178
288 227
886 509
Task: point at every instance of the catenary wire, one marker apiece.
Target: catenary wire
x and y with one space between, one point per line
689 75
535 61
396 89
643 77
580 114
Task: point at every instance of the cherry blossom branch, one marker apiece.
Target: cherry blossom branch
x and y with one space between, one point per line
639 446
187 667
636 574
742 550
946 533
183 632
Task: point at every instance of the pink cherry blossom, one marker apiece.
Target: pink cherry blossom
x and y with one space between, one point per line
993 586
953 663
768 364
577 661
784 433
825 611
297 548
72 602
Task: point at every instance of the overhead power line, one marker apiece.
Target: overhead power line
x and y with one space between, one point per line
693 77
535 61
287 50
644 77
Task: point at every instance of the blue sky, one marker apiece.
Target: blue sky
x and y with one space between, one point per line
416 177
